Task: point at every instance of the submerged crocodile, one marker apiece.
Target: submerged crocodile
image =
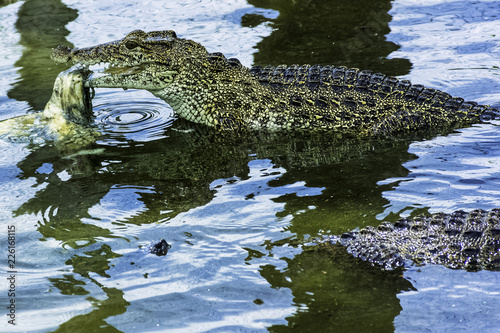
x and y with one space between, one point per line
209 89
459 240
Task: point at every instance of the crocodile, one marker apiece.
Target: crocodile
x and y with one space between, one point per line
207 88
459 240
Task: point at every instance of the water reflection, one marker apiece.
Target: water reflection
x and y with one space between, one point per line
139 118
95 261
347 33
102 206
335 292
95 321
41 24
91 202
6 2
179 171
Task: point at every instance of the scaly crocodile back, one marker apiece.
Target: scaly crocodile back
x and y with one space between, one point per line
372 88
459 240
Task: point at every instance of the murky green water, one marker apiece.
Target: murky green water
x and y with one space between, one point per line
239 213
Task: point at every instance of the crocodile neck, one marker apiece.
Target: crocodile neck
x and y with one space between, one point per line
229 99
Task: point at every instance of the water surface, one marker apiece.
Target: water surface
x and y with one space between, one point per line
240 214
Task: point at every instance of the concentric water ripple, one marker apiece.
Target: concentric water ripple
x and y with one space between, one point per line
123 121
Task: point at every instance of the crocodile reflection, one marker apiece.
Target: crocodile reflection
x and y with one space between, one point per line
180 169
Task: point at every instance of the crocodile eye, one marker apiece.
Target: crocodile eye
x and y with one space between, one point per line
131 44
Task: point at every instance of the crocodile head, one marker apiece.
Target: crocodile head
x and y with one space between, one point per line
198 85
140 60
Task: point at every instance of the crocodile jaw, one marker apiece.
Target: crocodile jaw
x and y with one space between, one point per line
149 77
120 71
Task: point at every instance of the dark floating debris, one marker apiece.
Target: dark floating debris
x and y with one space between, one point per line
160 248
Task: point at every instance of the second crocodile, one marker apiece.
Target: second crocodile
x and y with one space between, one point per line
459 240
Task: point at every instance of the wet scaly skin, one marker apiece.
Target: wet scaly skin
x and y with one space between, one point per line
209 89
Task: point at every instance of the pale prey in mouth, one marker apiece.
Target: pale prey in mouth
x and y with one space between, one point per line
66 120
